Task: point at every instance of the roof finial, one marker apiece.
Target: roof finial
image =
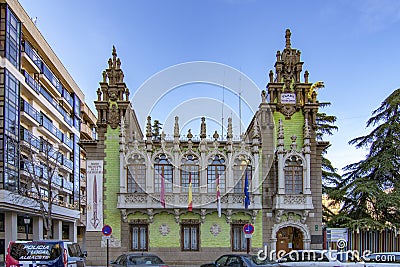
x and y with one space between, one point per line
287 36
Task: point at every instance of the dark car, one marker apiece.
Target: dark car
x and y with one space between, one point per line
138 259
240 260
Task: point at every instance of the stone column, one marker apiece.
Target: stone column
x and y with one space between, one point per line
73 233
10 227
57 229
37 228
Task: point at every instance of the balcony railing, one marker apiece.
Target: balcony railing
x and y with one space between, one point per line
68 163
180 200
68 185
31 82
28 137
31 111
67 97
51 128
68 141
32 54
51 77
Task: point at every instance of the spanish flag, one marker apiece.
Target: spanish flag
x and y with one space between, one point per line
190 201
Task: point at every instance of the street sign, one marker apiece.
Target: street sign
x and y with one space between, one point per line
248 236
107 230
248 229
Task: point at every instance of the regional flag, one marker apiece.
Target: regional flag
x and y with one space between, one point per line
246 192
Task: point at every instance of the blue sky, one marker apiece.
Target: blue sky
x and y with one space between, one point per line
350 45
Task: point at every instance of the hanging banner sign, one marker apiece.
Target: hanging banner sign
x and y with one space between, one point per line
94 178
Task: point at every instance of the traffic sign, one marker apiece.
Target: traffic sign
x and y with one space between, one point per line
107 230
248 236
248 229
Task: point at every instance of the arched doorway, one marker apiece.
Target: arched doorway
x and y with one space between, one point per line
289 238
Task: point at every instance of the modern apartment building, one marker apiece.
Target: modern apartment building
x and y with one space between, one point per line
43 117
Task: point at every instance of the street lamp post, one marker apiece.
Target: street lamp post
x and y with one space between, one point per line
27 221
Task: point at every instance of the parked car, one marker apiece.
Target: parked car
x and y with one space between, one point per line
303 258
240 260
51 253
383 259
138 259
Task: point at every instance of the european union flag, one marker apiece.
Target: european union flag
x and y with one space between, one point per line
246 192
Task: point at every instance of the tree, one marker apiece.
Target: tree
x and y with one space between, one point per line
40 184
369 189
330 177
156 129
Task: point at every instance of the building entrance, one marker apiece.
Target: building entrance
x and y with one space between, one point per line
289 238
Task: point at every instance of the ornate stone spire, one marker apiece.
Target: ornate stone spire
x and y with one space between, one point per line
148 128
176 127
230 132
203 131
287 36
112 96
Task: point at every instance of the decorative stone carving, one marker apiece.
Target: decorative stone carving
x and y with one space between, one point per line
150 212
278 215
304 216
203 215
113 118
215 229
287 110
294 199
164 229
228 215
177 213
135 198
124 216
293 146
203 131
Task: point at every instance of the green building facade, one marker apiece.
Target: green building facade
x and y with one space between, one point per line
148 180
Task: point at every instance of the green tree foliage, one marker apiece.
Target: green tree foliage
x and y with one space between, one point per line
369 190
330 177
156 129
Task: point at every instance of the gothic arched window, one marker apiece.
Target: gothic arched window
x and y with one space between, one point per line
216 174
241 168
190 165
136 175
293 175
163 169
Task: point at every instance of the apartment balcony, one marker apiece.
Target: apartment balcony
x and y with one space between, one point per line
180 200
29 114
29 59
66 144
87 114
29 141
292 202
66 100
85 129
50 81
83 165
67 165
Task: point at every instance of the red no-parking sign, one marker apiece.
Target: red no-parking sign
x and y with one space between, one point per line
248 229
